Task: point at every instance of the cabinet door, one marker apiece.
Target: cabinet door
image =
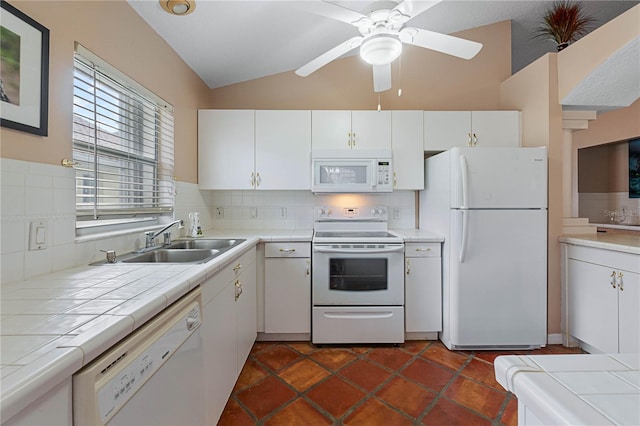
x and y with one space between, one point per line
423 294
225 149
283 150
371 129
496 128
331 129
246 313
287 295
629 313
406 143
593 305
446 129
219 343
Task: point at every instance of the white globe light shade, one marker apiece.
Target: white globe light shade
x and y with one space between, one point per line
380 50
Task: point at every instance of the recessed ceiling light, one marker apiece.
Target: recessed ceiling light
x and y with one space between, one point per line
178 7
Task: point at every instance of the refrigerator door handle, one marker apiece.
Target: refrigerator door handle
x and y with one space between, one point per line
465 181
465 234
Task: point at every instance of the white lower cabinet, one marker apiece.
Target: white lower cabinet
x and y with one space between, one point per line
229 329
287 288
51 409
603 299
423 288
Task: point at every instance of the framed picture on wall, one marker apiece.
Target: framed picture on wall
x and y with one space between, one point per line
24 72
634 168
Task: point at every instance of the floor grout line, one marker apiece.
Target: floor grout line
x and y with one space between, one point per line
368 355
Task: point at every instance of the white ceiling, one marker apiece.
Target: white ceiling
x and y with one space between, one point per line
227 42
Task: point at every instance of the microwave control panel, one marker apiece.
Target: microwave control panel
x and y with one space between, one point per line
384 172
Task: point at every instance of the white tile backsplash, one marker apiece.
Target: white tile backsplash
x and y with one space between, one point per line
33 191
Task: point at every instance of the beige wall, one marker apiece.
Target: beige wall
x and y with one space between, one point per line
429 80
115 32
594 48
612 126
534 90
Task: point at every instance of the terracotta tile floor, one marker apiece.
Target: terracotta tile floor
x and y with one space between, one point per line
419 382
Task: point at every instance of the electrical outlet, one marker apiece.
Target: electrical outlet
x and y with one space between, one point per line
283 212
219 213
254 212
396 213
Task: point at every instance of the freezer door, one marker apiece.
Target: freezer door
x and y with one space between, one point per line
498 177
498 278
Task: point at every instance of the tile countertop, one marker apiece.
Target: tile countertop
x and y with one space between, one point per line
580 389
54 324
614 241
418 236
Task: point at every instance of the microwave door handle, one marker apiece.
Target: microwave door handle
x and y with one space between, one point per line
358 251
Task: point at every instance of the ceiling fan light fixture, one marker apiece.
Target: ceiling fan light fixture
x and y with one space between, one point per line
178 7
380 50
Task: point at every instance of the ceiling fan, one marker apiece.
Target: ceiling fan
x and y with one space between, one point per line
382 33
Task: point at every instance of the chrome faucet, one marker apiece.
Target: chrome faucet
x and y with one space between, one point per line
151 236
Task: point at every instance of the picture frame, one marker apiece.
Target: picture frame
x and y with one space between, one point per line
24 72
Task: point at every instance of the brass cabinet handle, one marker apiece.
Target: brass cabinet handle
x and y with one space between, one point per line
408 267
475 140
308 268
423 249
470 141
237 267
612 280
620 281
238 289
287 250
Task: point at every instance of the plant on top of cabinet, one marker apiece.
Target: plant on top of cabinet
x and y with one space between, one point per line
564 22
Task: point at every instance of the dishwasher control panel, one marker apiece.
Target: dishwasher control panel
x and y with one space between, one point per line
122 371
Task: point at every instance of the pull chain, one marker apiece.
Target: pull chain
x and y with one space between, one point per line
379 108
400 76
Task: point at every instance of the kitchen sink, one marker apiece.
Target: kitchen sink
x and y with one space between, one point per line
209 244
173 256
181 251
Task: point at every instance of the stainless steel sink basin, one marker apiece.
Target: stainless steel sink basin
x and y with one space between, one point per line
181 251
172 256
215 244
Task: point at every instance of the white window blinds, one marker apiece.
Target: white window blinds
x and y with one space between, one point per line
122 145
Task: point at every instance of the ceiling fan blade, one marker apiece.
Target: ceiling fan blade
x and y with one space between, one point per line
329 56
413 8
381 77
465 49
329 10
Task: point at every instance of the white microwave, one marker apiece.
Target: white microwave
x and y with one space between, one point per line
338 173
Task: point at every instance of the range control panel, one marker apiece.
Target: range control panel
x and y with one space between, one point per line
360 213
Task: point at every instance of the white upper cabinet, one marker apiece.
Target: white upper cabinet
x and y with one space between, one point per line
446 129
225 149
283 150
351 129
407 147
247 149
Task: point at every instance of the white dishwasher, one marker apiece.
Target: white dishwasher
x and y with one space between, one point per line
153 377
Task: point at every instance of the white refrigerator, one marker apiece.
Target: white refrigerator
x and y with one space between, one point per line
491 206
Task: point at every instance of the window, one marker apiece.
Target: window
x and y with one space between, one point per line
122 149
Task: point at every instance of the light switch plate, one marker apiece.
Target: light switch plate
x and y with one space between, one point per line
38 237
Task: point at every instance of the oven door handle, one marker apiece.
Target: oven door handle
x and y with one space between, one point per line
320 249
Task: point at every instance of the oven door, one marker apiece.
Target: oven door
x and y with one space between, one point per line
358 274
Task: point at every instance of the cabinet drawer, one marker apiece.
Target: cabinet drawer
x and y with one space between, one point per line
609 258
284 249
422 250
